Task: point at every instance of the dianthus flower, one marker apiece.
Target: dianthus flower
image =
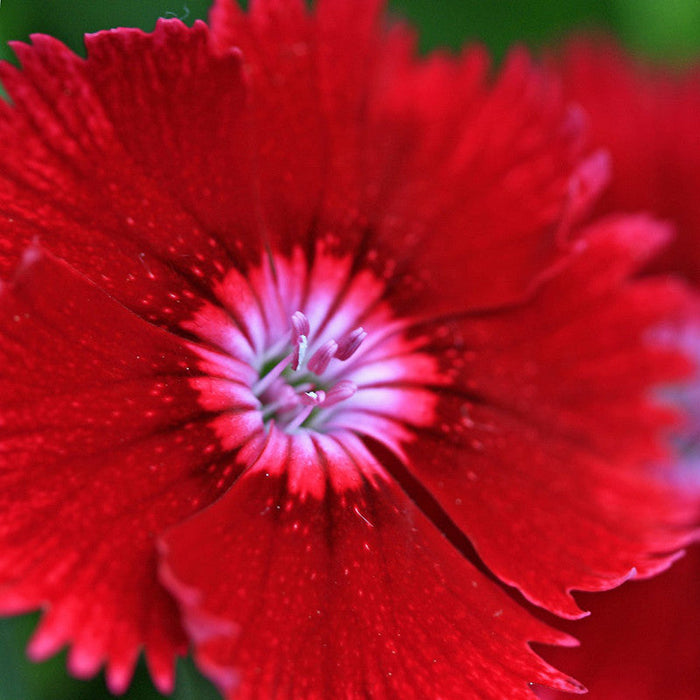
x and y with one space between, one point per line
642 640
305 360
645 116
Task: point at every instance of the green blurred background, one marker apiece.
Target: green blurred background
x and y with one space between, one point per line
668 30
665 28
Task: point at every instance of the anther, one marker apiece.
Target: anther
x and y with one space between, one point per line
348 344
341 391
300 325
320 359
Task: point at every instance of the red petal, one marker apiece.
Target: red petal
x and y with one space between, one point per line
280 62
121 164
421 168
535 453
337 586
641 641
499 191
104 444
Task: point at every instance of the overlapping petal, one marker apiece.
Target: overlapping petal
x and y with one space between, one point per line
334 584
536 445
397 157
104 444
121 165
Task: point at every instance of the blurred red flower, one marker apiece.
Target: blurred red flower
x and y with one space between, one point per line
642 640
645 116
288 329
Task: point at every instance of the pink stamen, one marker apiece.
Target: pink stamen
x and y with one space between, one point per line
313 398
320 359
303 415
270 377
310 399
300 338
343 390
348 344
283 399
299 352
300 325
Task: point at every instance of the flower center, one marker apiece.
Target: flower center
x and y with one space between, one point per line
296 388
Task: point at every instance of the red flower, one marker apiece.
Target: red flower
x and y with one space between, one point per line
642 640
646 117
288 329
